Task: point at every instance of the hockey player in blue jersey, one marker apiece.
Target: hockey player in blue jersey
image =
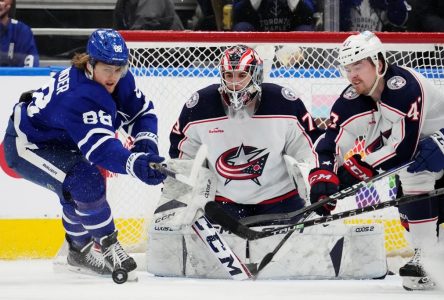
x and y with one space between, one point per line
60 134
392 107
248 126
17 44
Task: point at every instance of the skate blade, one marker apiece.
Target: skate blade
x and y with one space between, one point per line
85 271
417 283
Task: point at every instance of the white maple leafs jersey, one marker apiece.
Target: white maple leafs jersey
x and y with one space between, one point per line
410 108
77 113
247 155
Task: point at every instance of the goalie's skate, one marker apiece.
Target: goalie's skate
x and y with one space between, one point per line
122 265
413 275
88 260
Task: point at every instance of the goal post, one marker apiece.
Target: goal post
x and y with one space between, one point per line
170 65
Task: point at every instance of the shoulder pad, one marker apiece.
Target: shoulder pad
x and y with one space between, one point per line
350 93
192 101
396 82
289 94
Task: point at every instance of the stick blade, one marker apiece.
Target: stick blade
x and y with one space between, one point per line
218 215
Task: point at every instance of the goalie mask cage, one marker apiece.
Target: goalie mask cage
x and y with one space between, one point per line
170 66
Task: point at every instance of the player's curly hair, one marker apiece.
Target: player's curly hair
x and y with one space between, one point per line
80 60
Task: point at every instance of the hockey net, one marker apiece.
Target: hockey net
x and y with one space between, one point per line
170 66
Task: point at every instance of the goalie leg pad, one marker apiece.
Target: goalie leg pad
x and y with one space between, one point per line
337 251
181 204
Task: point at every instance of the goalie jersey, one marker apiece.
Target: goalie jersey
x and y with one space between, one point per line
247 155
410 108
77 113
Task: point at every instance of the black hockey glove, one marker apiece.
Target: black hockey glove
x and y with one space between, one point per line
26 96
323 184
353 171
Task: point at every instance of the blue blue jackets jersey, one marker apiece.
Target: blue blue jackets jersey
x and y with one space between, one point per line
74 112
247 155
18 48
410 108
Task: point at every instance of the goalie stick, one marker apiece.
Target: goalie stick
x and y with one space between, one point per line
286 217
269 256
215 212
229 261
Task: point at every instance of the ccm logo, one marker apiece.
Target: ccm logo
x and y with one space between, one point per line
358 172
317 177
365 229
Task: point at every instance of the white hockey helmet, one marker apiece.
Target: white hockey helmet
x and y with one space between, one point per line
360 46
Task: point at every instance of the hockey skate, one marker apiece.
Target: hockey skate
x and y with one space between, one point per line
413 275
88 260
122 265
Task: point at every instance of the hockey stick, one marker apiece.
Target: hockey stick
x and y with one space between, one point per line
216 213
228 260
235 268
269 256
200 157
286 217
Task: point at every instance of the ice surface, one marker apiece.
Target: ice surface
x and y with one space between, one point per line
36 279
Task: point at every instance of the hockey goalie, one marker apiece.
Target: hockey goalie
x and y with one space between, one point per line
177 248
249 127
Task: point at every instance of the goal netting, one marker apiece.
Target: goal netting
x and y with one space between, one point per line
170 66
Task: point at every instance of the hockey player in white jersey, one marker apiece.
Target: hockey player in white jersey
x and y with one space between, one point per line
392 107
248 126
60 134
250 129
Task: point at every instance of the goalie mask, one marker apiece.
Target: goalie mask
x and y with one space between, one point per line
109 47
361 46
241 71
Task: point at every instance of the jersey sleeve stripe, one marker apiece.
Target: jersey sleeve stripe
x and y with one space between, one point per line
92 132
98 144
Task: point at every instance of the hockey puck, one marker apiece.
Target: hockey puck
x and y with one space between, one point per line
120 276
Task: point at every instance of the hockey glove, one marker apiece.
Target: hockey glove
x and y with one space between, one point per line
430 155
323 184
138 165
145 142
353 171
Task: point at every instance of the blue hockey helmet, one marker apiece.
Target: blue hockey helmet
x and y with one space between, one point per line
107 46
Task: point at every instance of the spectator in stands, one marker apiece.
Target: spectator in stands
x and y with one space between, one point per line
208 15
426 15
146 15
373 15
273 15
17 46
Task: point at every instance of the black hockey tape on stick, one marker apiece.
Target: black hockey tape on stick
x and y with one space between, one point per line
163 168
287 217
218 215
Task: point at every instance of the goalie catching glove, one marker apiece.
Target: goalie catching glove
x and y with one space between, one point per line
430 155
354 170
323 184
138 165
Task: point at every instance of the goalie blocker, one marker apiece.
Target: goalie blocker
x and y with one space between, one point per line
336 251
